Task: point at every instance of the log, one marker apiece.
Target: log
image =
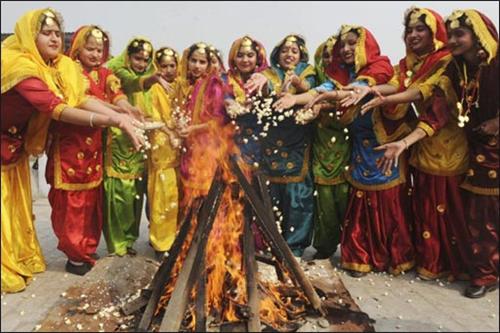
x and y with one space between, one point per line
176 307
200 316
253 324
163 274
261 182
277 242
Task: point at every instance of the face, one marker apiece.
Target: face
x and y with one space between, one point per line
215 64
168 68
348 47
461 41
289 55
418 38
198 64
139 62
48 41
246 60
91 53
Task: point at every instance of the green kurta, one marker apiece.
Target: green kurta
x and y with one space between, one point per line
124 182
330 157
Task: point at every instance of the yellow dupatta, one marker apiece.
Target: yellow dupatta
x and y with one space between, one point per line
21 60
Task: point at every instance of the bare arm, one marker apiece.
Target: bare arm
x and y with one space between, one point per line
394 149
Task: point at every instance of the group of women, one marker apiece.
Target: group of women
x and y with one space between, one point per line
397 164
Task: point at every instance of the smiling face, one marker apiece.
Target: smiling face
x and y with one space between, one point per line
91 54
49 41
461 41
197 64
418 38
348 47
289 55
246 60
139 61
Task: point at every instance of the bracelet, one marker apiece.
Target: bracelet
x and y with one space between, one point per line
406 144
92 115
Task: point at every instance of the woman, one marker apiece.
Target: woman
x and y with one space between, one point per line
38 83
440 155
76 201
287 145
124 167
164 158
375 233
246 57
473 41
202 147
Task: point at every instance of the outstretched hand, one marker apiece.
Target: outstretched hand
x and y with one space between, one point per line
255 83
391 155
373 103
358 93
285 102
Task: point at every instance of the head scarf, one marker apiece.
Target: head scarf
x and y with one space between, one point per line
169 53
318 57
22 60
123 60
233 70
304 55
483 29
80 38
368 63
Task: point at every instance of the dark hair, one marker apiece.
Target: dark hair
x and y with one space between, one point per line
421 18
197 46
138 45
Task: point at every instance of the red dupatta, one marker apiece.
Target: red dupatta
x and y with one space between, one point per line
368 63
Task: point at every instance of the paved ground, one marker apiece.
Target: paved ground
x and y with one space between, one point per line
403 304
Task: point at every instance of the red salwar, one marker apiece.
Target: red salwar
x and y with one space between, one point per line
375 235
440 233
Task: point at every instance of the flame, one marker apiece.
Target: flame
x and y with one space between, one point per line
226 287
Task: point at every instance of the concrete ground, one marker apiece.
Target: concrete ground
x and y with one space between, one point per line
402 303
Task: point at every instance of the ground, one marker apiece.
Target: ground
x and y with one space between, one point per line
401 303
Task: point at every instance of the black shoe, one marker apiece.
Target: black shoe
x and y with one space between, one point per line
321 256
131 251
357 274
474 291
78 269
95 256
159 255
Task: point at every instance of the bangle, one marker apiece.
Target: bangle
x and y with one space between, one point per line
406 144
92 115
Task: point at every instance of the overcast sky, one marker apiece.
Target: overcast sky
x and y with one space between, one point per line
179 24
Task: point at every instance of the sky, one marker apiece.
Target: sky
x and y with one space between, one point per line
179 24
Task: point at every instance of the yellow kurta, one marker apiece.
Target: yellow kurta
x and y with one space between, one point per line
163 192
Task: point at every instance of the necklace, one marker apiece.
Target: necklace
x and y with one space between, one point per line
469 96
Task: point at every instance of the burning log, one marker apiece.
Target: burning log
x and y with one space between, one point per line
251 278
176 307
200 317
268 226
163 274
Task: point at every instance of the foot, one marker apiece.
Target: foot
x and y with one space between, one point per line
159 255
131 251
321 256
357 274
474 291
95 256
425 278
78 269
